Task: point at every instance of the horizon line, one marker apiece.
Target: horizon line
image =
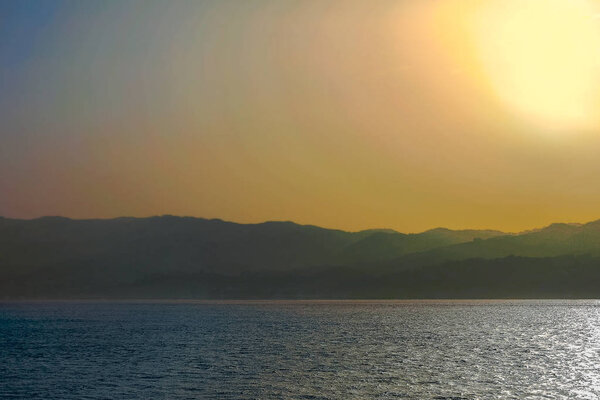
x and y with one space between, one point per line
530 230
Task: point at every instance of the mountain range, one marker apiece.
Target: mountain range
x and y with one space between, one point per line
184 257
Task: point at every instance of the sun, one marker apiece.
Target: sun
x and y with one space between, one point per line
541 58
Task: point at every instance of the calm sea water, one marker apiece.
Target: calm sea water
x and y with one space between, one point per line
274 350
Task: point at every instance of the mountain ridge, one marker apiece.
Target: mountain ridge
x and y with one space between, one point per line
58 256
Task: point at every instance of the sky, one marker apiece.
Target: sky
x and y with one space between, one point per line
345 114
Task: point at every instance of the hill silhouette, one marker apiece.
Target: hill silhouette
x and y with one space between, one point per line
167 256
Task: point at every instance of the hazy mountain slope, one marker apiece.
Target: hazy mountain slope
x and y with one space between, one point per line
554 240
382 246
192 257
175 243
167 243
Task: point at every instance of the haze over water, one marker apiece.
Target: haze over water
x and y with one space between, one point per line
301 350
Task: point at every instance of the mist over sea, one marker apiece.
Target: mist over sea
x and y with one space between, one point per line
300 350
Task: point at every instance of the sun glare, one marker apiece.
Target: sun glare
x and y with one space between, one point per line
542 58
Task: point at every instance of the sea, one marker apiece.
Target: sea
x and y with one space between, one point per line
480 349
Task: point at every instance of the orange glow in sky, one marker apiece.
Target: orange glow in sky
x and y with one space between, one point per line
345 114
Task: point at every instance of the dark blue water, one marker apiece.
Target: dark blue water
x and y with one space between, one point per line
412 350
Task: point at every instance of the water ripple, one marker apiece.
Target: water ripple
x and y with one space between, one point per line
301 350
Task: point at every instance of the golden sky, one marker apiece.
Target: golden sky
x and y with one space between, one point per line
344 114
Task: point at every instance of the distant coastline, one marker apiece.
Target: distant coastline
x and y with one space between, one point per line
185 258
